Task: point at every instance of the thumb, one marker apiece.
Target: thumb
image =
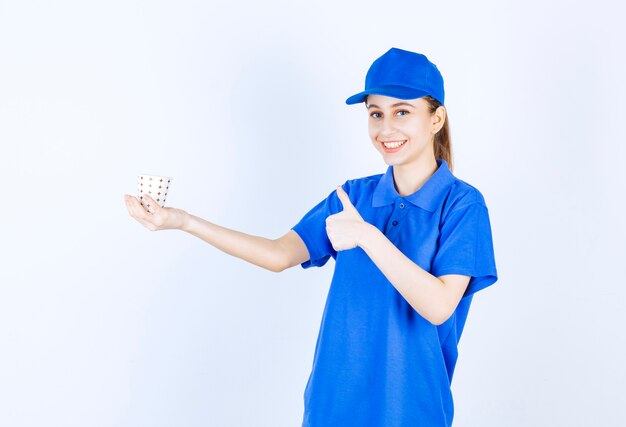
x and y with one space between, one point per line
343 197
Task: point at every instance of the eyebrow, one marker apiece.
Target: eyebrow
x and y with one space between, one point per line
394 105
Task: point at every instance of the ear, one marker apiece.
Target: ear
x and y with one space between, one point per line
439 118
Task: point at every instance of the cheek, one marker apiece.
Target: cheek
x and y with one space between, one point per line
372 130
415 128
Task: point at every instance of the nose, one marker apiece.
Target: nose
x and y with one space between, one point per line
387 127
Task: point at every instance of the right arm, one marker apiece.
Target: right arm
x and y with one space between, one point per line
272 254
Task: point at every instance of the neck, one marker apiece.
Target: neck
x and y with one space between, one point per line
410 178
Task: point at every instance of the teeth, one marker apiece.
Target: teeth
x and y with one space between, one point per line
393 144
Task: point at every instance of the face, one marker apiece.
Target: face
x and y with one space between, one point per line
405 125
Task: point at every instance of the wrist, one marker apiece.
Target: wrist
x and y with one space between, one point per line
368 233
185 221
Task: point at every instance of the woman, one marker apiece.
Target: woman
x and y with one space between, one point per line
411 247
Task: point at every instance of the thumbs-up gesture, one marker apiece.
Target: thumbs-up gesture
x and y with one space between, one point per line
345 228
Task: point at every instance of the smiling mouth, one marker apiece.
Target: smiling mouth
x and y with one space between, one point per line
393 144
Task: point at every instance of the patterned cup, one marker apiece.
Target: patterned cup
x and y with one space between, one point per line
155 186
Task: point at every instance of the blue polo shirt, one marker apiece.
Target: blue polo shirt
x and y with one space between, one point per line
377 361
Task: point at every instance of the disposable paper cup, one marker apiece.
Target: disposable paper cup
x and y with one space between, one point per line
155 186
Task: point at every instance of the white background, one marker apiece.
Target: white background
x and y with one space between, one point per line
104 323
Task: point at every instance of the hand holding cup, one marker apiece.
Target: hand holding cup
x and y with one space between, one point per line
151 213
154 217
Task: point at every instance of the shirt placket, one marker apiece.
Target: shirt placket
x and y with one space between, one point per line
396 220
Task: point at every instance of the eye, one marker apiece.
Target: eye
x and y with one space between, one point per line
403 111
374 114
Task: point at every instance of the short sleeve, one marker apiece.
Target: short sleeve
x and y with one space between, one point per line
466 247
312 230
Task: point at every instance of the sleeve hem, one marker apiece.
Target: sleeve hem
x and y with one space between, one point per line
478 281
314 259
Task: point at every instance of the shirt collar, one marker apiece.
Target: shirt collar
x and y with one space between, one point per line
428 197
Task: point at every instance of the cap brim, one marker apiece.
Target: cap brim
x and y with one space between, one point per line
400 92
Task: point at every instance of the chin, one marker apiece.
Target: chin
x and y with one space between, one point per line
392 161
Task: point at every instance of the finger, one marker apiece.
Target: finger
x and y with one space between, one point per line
139 212
146 203
129 201
151 206
130 208
143 217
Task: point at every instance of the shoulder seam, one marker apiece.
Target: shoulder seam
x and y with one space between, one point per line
467 205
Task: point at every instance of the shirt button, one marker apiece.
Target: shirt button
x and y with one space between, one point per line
401 205
394 222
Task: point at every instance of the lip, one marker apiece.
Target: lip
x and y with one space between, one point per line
393 150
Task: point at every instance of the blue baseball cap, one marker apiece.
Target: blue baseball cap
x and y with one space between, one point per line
401 74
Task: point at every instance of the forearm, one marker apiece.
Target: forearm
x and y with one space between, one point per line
254 249
423 291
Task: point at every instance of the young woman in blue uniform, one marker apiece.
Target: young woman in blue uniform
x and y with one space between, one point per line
411 247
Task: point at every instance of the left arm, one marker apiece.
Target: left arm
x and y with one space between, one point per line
433 298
